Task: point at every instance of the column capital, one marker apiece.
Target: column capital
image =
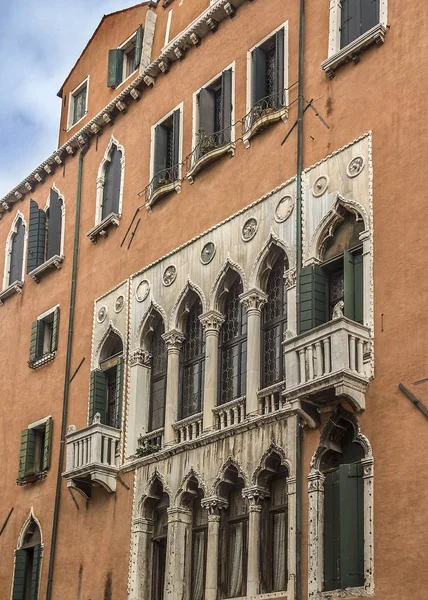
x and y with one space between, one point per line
140 357
255 496
253 300
214 504
173 340
179 514
142 525
315 482
290 278
211 321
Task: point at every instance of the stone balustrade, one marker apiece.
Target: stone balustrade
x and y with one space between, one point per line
230 413
188 429
270 398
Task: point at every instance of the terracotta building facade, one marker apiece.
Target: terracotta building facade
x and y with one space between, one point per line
214 380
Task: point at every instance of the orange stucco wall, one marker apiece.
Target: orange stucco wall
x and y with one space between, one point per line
385 93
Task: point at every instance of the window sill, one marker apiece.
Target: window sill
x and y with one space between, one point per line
72 125
263 122
31 478
42 360
161 191
11 290
102 228
354 592
376 35
209 158
271 595
54 262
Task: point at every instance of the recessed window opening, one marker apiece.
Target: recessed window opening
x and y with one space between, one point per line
158 377
192 361
78 103
357 17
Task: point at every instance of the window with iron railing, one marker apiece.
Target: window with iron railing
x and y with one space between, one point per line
166 156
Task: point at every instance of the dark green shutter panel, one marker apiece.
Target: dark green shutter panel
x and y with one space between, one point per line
36 237
331 531
36 343
358 288
351 525
55 330
26 452
226 105
279 68
259 74
206 111
115 67
119 394
112 179
54 226
161 148
138 47
17 255
97 395
313 291
176 138
348 284
47 445
35 575
20 575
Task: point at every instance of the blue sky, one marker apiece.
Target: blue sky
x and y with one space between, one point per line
40 40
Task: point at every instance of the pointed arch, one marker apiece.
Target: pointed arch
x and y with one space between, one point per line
329 223
152 492
145 326
266 257
225 278
274 454
111 330
188 488
180 308
106 160
17 223
26 527
230 466
47 211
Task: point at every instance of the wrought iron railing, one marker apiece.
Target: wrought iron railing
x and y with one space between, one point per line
262 108
161 179
207 143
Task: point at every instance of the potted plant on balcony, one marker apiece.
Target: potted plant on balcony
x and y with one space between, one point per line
30 476
206 142
146 447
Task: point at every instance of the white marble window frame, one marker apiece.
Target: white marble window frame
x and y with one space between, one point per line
8 249
179 107
101 178
71 97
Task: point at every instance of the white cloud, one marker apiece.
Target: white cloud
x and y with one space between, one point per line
40 41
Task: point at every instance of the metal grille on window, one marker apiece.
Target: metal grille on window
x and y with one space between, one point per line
270 71
193 365
336 289
158 379
274 325
170 149
79 105
233 347
111 397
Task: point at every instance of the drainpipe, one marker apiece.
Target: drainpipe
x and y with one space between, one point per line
67 372
300 113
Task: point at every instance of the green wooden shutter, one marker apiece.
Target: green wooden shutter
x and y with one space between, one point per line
36 237
119 394
26 452
35 575
331 531
53 246
176 138
351 525
206 111
47 445
97 395
161 148
138 47
36 343
55 330
259 75
313 305
358 288
348 284
226 105
20 575
279 67
115 67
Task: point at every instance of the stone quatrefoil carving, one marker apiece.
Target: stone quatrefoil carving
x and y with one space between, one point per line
119 304
143 289
102 314
249 229
320 186
355 166
169 275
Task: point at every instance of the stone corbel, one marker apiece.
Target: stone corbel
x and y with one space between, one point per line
149 80
48 169
107 118
18 195
38 177
135 94
121 106
28 186
229 10
96 129
179 53
164 66
70 150
195 39
212 25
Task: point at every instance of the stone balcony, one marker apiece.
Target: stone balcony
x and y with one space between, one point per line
329 362
92 457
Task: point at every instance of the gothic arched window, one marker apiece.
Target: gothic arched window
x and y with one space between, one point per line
199 547
159 354
233 346
193 363
159 546
274 325
28 558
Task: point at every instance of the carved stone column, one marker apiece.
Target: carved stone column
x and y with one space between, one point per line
255 496
178 554
141 573
139 398
290 284
173 340
316 521
253 300
213 505
211 323
291 540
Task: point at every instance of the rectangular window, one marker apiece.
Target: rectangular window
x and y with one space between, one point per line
357 17
78 103
35 451
105 395
125 59
267 74
44 338
166 150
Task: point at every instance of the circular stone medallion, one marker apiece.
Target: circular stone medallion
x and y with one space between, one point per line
102 314
320 186
249 229
143 289
283 209
119 304
169 275
207 253
355 166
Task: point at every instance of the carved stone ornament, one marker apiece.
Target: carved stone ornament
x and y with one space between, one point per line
173 339
140 357
143 290
253 299
290 278
320 186
169 275
338 310
102 314
212 320
208 253
249 229
119 304
355 166
283 209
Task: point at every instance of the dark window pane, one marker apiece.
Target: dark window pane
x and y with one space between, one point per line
158 379
193 355
274 325
17 254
